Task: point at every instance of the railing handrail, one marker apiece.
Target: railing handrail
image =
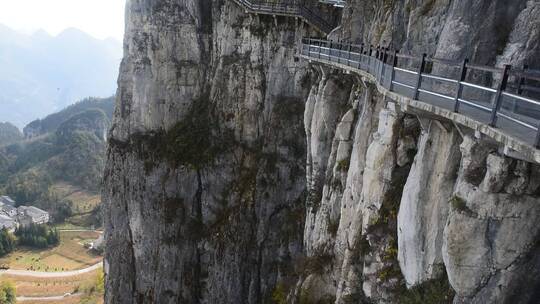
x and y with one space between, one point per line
359 56
297 8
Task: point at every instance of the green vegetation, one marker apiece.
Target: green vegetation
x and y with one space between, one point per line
52 122
343 165
388 272
332 225
436 291
427 7
37 236
279 295
9 134
361 248
70 150
93 289
70 254
193 142
7 292
317 263
28 186
460 205
7 242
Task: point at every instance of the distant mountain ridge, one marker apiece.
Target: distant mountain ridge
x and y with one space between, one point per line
52 122
42 74
68 146
9 133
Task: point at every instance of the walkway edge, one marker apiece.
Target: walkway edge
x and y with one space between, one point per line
510 143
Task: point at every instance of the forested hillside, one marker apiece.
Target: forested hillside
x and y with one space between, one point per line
9 134
53 121
66 147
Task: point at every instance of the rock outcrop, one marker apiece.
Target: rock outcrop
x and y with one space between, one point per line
205 183
238 174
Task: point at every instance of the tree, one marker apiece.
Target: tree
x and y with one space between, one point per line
8 293
7 242
38 236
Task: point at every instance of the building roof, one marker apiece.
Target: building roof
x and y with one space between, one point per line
32 211
7 200
5 219
7 208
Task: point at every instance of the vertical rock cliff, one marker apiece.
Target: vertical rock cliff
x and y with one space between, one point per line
239 174
420 210
205 182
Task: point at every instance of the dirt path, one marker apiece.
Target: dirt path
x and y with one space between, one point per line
55 298
43 274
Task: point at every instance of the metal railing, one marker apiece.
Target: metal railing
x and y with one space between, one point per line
336 3
304 9
504 98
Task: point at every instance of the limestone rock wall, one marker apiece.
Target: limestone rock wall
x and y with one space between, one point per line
205 182
412 201
422 207
239 174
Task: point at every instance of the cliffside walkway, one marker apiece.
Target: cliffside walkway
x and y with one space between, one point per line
506 100
303 9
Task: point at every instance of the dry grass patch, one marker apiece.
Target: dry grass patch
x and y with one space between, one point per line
67 300
83 201
69 255
47 287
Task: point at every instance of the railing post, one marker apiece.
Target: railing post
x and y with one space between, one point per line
381 64
498 97
537 141
329 57
349 54
459 88
419 79
394 65
520 84
521 81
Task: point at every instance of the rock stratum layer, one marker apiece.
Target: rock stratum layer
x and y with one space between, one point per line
238 174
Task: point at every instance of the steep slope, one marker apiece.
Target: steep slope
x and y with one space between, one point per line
9 133
423 201
238 174
73 152
51 122
208 128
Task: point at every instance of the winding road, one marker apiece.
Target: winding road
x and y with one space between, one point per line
59 274
43 274
46 299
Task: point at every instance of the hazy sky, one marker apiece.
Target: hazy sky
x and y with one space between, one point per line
99 18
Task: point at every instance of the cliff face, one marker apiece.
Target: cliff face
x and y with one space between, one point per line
407 200
205 182
237 174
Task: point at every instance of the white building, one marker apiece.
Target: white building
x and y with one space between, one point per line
31 215
7 222
8 210
7 200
